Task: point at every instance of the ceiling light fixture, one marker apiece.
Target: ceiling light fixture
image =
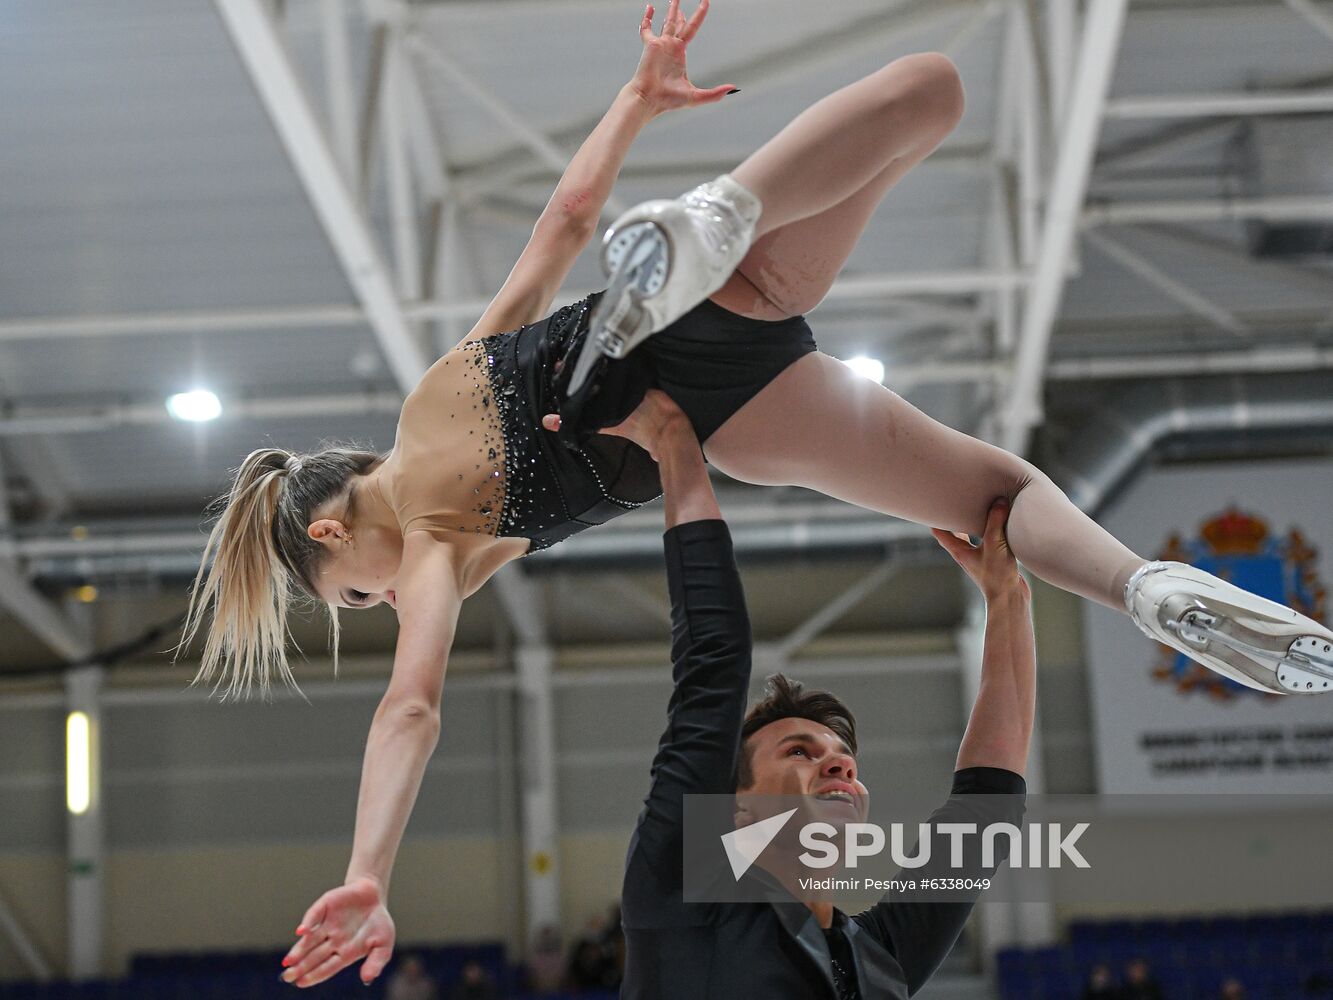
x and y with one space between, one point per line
197 405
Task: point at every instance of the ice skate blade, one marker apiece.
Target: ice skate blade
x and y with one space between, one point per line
1292 664
638 261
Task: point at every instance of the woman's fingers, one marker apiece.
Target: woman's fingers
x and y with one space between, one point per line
375 962
313 917
551 421
671 26
309 962
696 19
330 967
712 94
646 25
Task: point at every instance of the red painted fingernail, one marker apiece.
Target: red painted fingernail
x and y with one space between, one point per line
300 930
286 962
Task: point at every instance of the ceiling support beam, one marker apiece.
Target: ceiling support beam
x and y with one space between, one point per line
1283 208
1168 141
39 615
270 67
1061 22
479 186
1167 285
849 288
20 421
537 142
1103 26
1283 102
368 117
403 221
1310 278
1322 22
795 640
338 85
766 69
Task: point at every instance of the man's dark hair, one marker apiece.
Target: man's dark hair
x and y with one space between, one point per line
785 698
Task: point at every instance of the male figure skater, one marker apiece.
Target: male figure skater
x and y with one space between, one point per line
794 742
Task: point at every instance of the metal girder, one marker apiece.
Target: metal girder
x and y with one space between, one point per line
1286 208
1311 278
522 604
1103 26
22 600
368 116
1061 16
496 173
23 945
847 288
480 188
1283 102
1167 285
256 37
974 24
533 138
21 421
40 616
1165 142
1308 10
403 221
827 615
338 84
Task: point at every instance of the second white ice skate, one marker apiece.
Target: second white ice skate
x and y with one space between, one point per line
1254 641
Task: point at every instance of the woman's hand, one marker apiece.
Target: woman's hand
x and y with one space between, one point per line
660 79
656 422
345 925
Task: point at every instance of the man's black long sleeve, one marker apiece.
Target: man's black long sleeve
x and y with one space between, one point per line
710 671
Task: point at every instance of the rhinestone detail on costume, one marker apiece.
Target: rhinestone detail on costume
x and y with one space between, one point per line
489 470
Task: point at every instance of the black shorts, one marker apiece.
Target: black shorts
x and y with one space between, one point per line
711 361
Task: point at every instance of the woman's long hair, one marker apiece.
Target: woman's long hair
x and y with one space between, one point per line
258 553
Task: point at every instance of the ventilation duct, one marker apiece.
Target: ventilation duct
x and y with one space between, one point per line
1111 447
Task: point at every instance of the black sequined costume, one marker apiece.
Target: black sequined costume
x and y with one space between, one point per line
710 361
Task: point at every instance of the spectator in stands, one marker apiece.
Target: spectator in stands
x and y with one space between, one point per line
546 966
1100 984
590 967
411 982
592 964
613 939
474 984
1232 989
1139 983
1318 984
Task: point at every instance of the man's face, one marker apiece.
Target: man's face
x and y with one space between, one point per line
802 757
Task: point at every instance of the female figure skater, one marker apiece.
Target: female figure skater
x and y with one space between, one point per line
723 275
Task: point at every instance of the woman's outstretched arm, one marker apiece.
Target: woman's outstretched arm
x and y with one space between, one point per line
352 921
571 217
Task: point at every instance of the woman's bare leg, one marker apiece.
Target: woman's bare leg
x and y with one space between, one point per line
821 178
821 426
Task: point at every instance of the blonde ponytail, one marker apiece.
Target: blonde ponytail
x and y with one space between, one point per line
257 551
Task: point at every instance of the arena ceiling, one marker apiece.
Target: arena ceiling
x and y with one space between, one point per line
297 204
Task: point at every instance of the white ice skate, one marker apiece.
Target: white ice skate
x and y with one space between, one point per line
664 258
1252 640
